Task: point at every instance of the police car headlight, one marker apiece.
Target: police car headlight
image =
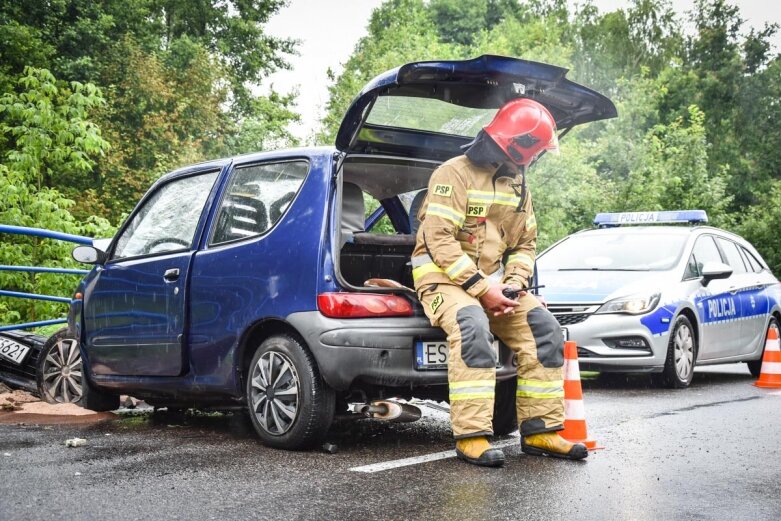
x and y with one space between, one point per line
631 305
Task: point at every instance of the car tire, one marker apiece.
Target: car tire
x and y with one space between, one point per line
59 372
505 418
300 407
755 366
96 400
681 355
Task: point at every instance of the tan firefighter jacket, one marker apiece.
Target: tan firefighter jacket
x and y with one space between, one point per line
471 226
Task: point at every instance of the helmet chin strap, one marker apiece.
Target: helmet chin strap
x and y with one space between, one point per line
523 192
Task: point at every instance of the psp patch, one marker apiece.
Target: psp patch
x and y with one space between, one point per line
438 300
443 190
477 210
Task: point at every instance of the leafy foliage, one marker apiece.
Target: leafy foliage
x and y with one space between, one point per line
697 111
46 124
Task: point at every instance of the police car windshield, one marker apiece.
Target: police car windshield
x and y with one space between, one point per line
612 251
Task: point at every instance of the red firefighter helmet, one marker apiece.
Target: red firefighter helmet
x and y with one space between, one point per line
523 128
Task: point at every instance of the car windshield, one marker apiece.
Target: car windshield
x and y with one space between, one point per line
614 252
431 115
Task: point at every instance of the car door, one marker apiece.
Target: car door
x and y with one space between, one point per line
747 287
717 308
735 301
134 305
755 307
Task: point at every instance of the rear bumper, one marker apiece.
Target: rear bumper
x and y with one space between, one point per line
376 351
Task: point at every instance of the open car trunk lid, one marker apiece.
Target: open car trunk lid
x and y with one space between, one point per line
427 110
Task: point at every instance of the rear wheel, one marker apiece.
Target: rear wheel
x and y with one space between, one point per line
290 405
755 366
681 355
505 418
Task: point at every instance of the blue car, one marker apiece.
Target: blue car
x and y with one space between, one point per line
256 283
641 294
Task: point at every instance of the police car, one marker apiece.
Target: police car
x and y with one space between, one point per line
640 294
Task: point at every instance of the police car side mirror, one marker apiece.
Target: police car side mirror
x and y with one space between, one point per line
715 270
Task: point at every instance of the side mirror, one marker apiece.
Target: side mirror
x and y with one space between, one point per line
88 255
715 270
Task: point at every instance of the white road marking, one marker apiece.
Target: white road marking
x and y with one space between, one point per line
425 458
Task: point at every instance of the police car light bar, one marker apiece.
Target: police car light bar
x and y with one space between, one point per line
604 220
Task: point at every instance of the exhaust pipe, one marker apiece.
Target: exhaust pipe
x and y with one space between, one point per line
389 411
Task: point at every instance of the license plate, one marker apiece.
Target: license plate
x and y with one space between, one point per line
433 355
13 351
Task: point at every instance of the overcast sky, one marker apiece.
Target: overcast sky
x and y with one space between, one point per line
329 29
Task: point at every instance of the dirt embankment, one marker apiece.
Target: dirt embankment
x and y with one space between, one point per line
22 407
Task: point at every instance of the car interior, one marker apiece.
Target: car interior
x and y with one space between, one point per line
364 254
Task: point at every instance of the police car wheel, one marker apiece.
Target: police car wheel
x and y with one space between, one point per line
681 355
755 366
290 405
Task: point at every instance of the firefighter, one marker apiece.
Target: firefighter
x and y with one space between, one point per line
477 237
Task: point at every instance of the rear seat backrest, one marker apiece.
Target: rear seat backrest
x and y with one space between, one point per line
414 208
353 211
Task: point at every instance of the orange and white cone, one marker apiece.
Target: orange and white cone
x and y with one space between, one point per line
770 374
575 429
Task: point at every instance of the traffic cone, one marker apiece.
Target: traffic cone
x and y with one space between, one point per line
770 374
575 429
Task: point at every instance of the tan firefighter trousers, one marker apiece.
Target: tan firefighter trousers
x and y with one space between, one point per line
532 333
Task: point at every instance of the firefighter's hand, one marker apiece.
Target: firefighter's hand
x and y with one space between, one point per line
495 302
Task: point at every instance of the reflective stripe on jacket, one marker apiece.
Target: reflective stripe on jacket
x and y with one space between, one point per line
471 222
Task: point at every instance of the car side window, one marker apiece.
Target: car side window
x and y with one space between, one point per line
753 263
256 198
168 219
732 253
704 250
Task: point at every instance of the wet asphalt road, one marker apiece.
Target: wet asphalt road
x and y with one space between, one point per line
709 452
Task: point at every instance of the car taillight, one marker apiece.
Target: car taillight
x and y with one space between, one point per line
362 305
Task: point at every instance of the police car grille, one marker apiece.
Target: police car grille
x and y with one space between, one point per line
569 318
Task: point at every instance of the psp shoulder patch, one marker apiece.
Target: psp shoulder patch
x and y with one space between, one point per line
443 190
438 300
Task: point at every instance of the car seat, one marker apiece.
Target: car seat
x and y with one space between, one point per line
353 211
414 208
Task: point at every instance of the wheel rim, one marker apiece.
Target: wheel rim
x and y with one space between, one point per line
62 372
274 392
684 352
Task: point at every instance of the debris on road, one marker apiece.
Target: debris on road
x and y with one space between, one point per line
330 448
75 442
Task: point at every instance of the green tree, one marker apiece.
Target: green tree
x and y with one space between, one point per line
49 134
178 76
400 31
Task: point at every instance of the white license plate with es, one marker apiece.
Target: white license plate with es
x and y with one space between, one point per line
433 355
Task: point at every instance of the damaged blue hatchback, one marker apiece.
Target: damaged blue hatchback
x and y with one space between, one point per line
251 282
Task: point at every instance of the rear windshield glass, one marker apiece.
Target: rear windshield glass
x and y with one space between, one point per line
431 115
614 252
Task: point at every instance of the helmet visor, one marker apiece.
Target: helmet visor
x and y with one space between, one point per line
553 144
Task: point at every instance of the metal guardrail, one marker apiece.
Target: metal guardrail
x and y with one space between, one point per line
46 234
